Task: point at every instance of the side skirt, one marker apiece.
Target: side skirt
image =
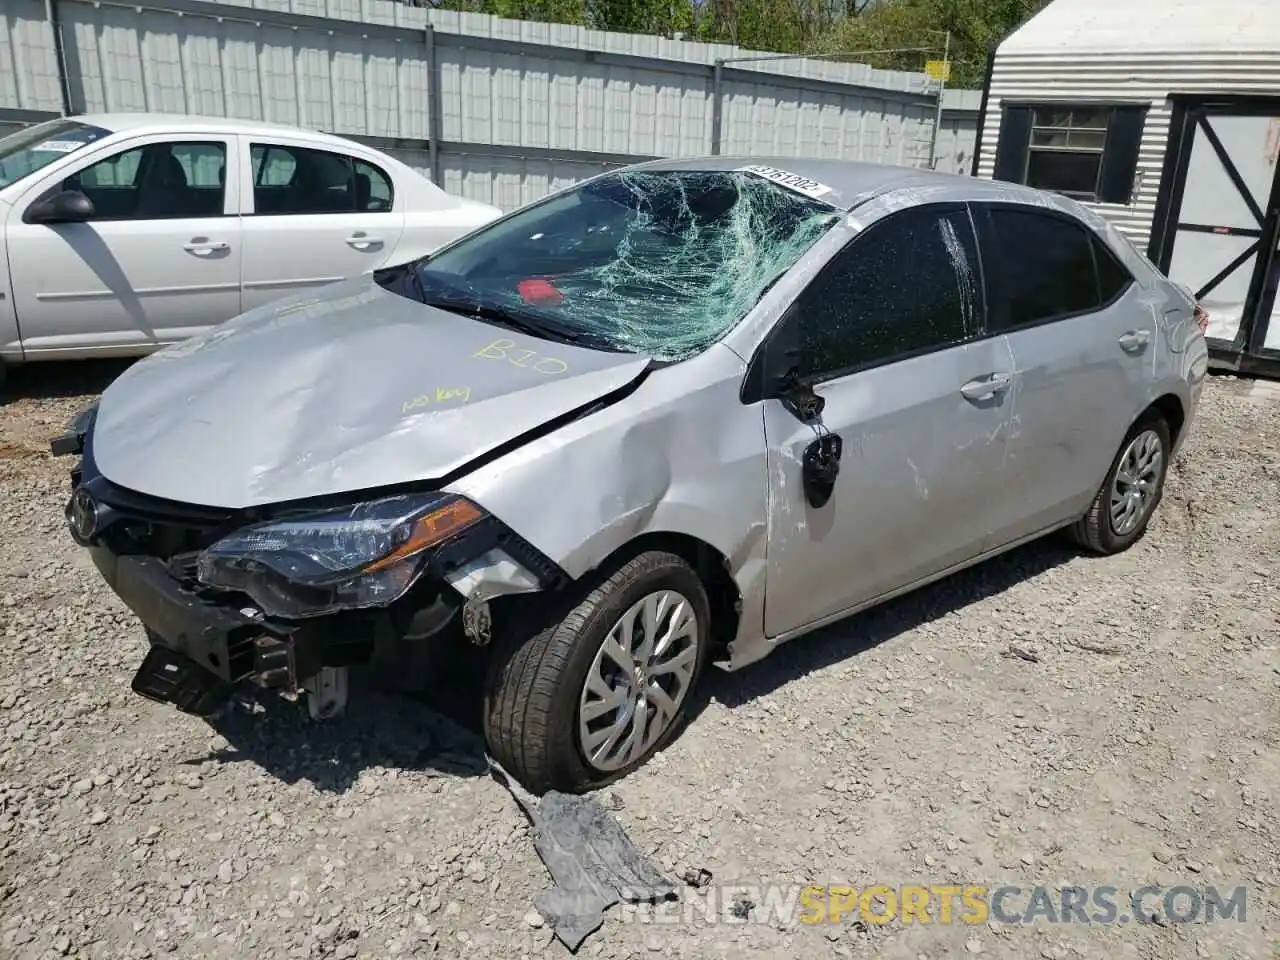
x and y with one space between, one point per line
745 654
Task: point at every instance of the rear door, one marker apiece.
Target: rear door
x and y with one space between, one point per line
1082 347
313 216
159 261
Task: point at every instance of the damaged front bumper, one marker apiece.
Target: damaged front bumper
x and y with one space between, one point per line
201 649
207 641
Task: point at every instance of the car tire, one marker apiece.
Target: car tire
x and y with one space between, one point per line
536 690
1101 529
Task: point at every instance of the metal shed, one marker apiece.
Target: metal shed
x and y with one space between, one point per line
1163 115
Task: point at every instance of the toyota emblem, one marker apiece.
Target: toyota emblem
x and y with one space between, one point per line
82 514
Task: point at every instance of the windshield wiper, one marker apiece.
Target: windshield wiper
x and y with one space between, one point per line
541 327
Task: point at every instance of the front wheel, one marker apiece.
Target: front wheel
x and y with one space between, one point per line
592 696
1119 514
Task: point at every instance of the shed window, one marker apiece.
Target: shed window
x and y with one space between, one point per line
1065 153
1088 152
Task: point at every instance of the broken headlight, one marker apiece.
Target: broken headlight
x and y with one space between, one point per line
366 555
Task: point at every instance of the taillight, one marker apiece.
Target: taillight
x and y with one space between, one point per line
1202 318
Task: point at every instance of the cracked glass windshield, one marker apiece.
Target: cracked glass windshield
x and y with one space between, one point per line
661 263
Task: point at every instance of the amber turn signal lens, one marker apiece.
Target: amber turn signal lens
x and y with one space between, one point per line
438 525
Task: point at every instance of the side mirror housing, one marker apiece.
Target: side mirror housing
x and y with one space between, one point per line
778 354
773 373
67 206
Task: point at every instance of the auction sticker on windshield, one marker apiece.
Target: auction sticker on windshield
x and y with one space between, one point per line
59 146
793 181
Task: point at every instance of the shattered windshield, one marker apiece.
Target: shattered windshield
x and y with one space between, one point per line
661 263
26 151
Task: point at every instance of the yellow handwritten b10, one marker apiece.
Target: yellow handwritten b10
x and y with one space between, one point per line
520 357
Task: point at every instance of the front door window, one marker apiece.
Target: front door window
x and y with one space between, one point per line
909 286
161 181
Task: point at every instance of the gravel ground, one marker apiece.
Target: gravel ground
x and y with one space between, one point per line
1044 719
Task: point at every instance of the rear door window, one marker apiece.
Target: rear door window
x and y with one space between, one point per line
1049 267
290 180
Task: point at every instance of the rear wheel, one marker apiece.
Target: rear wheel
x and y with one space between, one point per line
1119 514
602 687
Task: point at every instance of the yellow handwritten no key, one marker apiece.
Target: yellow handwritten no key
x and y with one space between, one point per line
440 395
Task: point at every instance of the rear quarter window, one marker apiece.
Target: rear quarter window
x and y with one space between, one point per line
1113 278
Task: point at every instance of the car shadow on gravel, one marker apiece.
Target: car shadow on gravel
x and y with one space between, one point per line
54 380
437 732
864 631
380 729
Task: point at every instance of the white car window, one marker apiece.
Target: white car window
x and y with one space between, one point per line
290 180
159 181
272 166
373 187
25 151
120 170
203 163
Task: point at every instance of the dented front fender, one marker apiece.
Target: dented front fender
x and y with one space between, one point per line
682 454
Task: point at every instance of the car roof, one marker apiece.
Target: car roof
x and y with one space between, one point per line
854 182
179 122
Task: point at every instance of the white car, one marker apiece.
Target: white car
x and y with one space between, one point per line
121 233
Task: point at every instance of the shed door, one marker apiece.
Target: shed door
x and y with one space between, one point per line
1222 234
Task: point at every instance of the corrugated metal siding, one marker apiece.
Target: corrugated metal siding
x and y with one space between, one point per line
578 101
28 64
1133 78
1065 27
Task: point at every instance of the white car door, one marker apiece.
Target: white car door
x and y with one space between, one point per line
156 260
313 216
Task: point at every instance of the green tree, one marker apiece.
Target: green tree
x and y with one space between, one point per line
542 11
661 17
799 26
975 25
781 26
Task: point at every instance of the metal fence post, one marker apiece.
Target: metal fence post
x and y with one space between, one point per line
717 82
60 53
937 114
435 101
981 126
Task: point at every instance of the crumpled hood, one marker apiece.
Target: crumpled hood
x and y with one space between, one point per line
348 388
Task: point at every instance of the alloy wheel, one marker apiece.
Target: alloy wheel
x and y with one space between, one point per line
1134 491
638 680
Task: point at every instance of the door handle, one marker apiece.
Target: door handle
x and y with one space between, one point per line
363 243
1134 340
206 246
984 388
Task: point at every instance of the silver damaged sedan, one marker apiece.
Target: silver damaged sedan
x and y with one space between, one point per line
670 416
